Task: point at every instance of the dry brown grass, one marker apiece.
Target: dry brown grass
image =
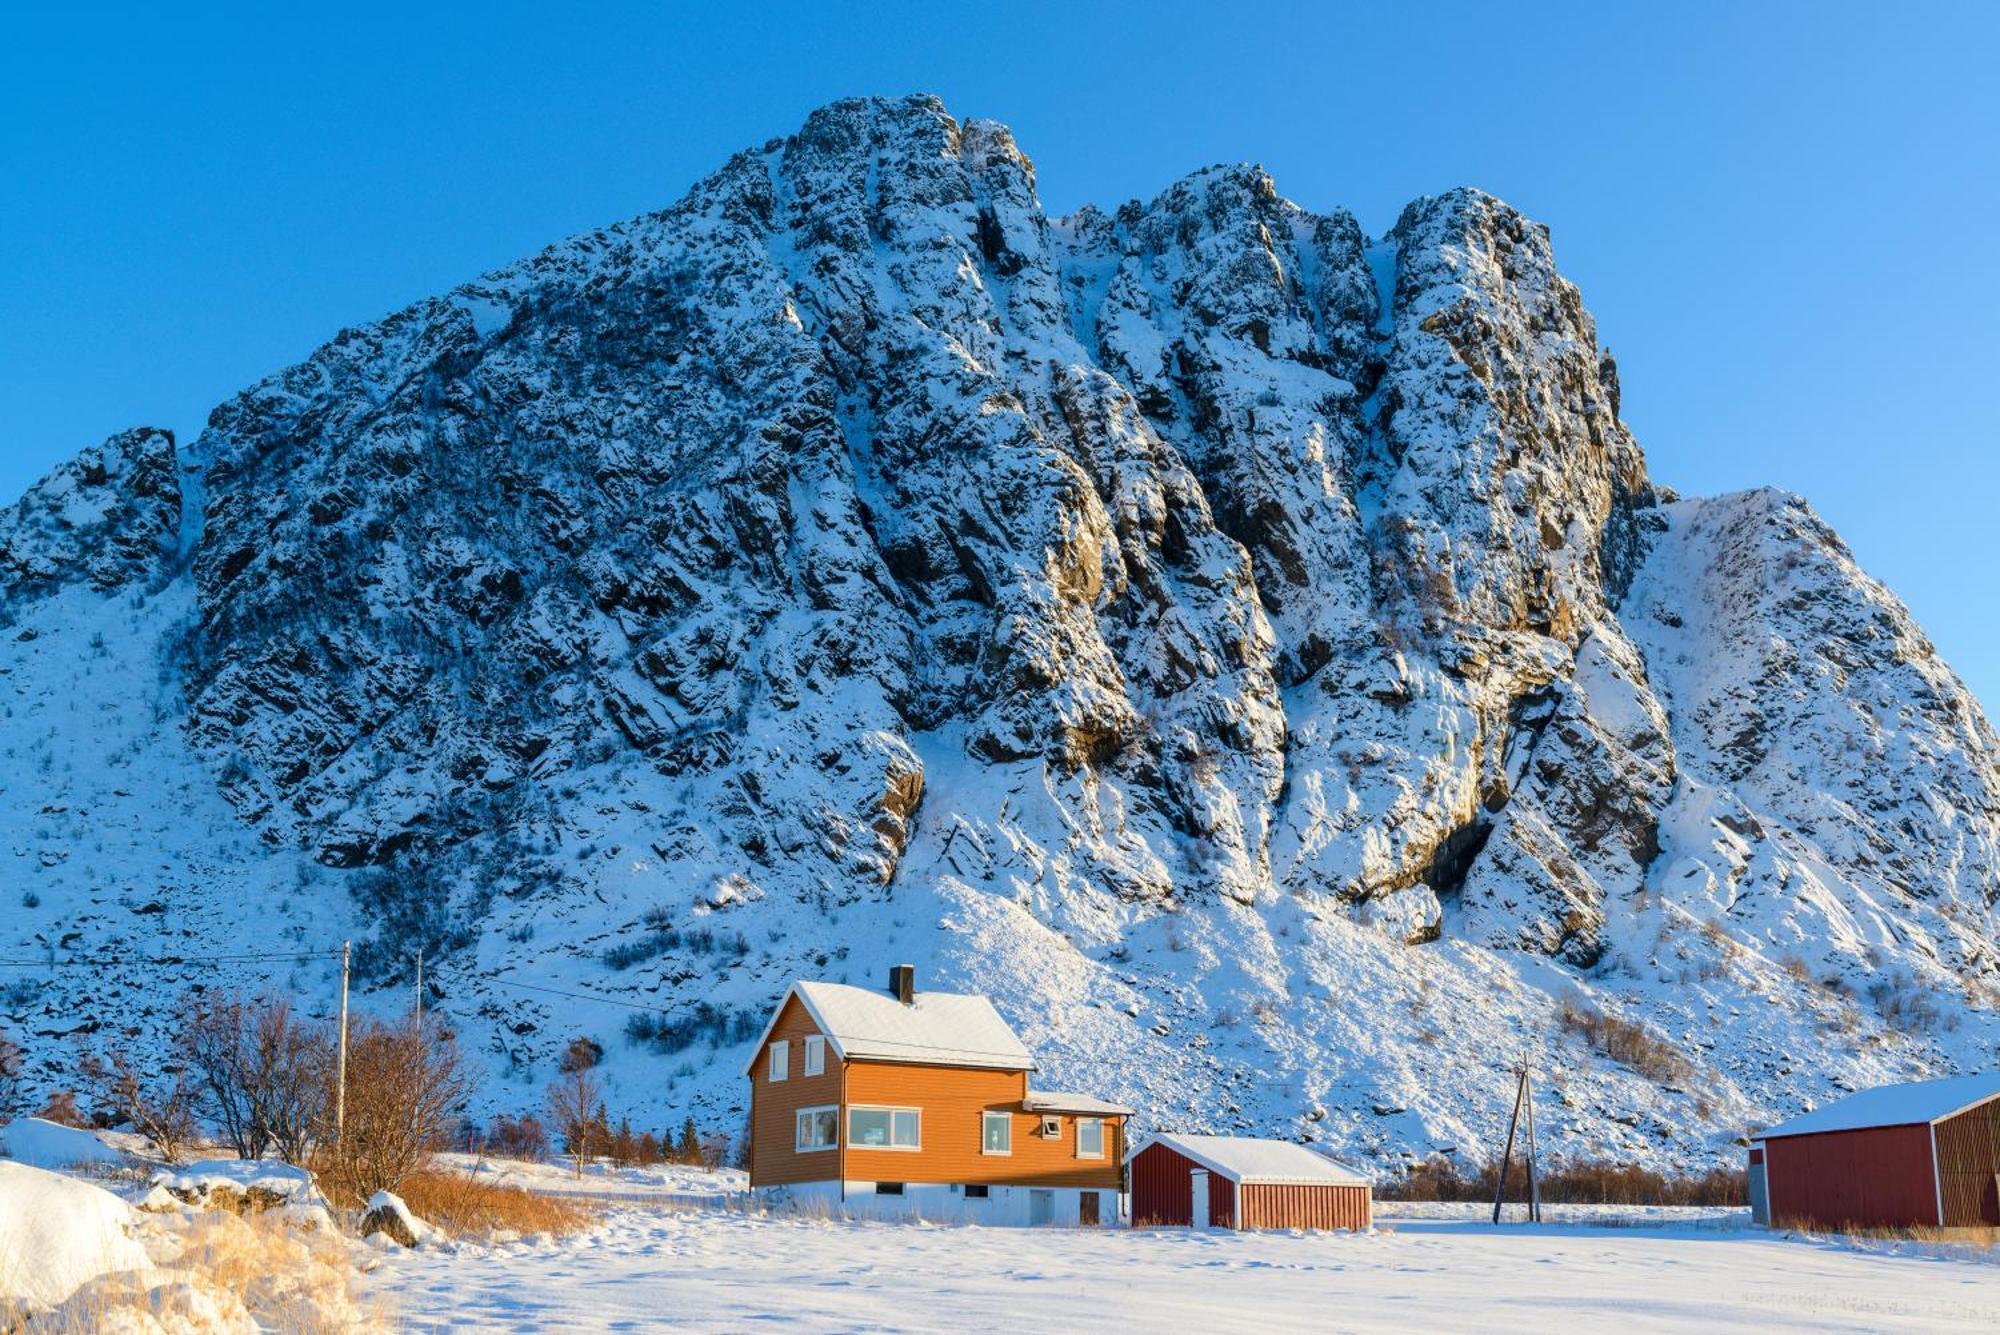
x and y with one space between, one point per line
460 1205
217 1270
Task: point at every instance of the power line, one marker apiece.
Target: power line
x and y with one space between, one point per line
129 961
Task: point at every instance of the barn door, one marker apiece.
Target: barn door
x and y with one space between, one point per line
1198 1189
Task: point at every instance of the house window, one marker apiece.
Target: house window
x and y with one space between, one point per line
1051 1128
977 1192
815 1055
781 1060
1090 1138
996 1133
884 1128
888 1188
818 1128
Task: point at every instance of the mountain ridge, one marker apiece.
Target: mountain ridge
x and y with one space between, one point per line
1249 649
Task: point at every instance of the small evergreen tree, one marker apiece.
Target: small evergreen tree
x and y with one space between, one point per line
689 1150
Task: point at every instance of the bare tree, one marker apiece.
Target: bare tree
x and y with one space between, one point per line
10 1077
159 1106
574 1098
406 1085
262 1072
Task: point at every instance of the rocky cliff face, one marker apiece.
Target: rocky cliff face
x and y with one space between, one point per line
1253 651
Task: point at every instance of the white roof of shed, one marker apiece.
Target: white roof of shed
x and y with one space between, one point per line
1244 1159
937 1028
1893 1105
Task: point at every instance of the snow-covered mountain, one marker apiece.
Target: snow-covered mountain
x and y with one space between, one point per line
1252 651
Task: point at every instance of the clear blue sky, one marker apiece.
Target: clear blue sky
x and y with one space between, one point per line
1786 217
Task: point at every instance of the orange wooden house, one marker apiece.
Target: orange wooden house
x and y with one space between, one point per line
907 1103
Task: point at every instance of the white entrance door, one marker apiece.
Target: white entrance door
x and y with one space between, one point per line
1041 1206
1198 1186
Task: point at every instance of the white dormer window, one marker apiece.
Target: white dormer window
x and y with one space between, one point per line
781 1060
815 1055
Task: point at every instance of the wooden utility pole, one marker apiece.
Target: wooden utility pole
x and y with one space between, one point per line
1507 1157
340 1068
420 989
1534 1181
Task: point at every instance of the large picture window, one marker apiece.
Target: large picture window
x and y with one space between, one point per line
996 1133
884 1128
818 1128
1089 1138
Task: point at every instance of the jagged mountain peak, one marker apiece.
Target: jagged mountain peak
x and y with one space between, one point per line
1253 651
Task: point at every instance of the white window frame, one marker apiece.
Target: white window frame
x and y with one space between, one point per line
815 1055
798 1124
1050 1127
892 1110
1007 1120
778 1062
1083 1122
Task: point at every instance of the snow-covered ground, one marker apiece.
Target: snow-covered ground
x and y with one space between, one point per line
718 1269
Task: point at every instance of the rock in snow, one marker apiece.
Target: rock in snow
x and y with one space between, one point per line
1252 651
388 1215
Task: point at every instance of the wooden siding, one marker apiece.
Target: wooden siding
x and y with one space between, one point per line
1968 1151
953 1100
1272 1205
1879 1177
774 1107
1162 1194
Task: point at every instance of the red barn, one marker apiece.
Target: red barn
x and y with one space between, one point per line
1895 1157
1236 1182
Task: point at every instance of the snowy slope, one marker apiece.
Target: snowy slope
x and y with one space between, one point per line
1252 652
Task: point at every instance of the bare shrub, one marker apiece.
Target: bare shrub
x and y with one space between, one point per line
1630 1045
10 1077
1568 1182
60 1108
158 1105
405 1086
461 1204
262 1073
520 1137
574 1098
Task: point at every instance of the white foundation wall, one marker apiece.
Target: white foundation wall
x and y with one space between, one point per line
948 1203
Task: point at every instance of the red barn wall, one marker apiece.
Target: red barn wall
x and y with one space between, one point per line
1160 1190
1162 1193
1880 1177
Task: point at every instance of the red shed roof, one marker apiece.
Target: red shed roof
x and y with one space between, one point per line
1893 1105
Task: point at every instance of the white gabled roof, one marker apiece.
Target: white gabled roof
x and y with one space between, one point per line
1246 1160
937 1028
1921 1103
1041 1101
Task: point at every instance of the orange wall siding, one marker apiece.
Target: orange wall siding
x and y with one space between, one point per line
773 1107
953 1099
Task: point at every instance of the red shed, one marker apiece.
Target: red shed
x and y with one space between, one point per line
1237 1182
1895 1157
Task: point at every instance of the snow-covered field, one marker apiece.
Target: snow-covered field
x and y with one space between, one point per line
709 1269
687 1249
